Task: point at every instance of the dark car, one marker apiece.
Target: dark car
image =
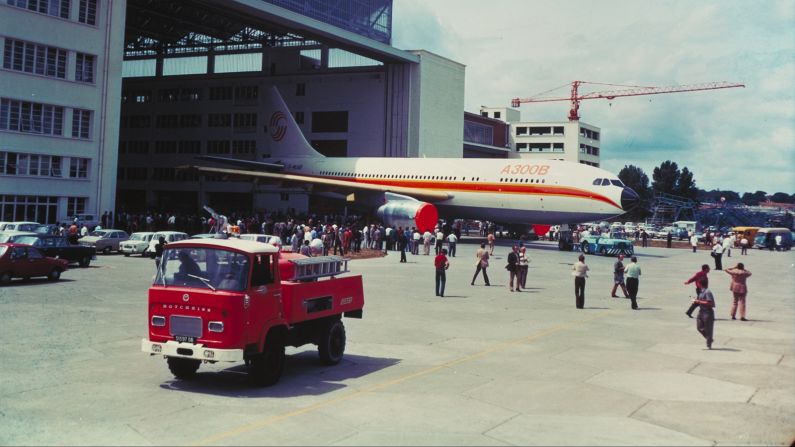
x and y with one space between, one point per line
24 261
59 247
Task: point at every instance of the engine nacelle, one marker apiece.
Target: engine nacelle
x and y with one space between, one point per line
409 213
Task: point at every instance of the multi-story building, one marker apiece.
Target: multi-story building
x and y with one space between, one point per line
573 141
60 82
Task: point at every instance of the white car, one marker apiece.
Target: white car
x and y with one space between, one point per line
276 241
169 236
88 220
138 243
19 226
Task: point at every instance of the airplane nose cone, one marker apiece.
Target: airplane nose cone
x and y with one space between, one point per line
629 199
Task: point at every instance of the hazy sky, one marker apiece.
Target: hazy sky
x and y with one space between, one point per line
740 139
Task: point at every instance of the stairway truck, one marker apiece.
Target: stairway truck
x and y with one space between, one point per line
232 300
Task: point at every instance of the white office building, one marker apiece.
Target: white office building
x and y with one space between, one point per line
59 107
573 141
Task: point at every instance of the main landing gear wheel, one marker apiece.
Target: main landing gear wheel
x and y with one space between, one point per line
183 368
331 345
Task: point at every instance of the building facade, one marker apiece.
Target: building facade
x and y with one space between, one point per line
59 108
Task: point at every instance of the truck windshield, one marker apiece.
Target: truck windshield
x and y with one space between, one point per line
207 268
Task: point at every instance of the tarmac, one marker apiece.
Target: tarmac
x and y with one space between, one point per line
480 366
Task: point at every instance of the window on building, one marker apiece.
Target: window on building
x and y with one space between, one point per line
167 174
218 147
140 121
220 93
84 68
521 147
138 147
191 120
189 147
521 130
190 94
478 133
331 148
168 95
219 120
78 167
329 121
81 124
557 130
245 120
300 89
56 8
33 58
299 117
29 117
246 92
486 114
76 205
165 147
42 209
497 115
557 147
136 173
244 146
167 121
88 12
284 197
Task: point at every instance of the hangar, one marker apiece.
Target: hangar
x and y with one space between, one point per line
138 88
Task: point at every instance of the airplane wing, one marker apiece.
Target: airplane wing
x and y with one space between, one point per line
342 186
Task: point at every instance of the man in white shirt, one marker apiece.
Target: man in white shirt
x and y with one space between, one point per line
694 242
727 246
415 238
717 253
426 242
451 242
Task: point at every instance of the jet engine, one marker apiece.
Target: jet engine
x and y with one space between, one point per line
409 213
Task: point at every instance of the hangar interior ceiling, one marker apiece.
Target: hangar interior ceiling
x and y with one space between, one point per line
181 28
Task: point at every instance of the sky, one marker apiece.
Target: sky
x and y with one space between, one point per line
739 139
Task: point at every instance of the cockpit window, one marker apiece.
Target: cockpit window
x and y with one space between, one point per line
605 182
617 183
597 182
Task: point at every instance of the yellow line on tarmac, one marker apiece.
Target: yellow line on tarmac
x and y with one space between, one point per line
497 347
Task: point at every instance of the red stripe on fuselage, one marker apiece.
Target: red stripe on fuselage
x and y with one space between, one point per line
494 188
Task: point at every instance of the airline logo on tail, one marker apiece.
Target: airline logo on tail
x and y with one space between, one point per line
278 125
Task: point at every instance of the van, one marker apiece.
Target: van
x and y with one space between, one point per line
766 238
169 236
745 232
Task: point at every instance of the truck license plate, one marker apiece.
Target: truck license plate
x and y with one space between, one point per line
184 339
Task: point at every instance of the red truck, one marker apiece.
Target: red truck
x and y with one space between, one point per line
232 300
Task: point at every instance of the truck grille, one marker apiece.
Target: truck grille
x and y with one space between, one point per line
187 326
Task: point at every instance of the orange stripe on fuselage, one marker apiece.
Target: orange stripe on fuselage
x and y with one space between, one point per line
494 188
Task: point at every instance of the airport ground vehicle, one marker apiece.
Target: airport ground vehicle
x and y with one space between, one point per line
59 247
105 241
232 300
607 246
766 238
169 236
747 232
138 243
24 261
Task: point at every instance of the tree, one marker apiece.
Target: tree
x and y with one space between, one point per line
685 185
781 197
665 177
635 178
753 199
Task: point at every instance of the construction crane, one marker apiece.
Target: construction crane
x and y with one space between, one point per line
633 90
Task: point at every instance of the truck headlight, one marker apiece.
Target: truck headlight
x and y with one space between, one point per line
159 321
215 326
209 354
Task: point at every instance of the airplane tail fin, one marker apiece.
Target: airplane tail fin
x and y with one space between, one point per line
284 136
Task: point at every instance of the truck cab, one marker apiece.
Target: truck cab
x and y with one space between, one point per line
231 300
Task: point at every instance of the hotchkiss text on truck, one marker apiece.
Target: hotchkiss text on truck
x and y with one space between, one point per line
232 300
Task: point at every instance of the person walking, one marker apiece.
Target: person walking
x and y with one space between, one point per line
439 240
669 239
483 263
416 237
523 266
633 280
644 237
161 244
694 242
513 268
402 241
717 253
705 323
700 276
618 277
744 245
441 263
490 239
728 243
579 271
452 240
426 242
738 288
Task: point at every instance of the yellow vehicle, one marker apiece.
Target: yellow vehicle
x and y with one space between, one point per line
748 232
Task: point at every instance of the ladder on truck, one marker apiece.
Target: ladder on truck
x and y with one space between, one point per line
307 269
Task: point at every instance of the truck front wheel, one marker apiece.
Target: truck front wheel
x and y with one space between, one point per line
267 367
183 368
331 345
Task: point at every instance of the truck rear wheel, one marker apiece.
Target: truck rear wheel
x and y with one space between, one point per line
183 368
331 345
267 367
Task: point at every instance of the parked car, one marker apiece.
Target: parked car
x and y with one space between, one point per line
59 247
170 236
105 241
19 226
613 245
12 236
203 236
47 229
24 261
276 241
138 243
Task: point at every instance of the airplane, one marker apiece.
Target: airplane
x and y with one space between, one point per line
416 192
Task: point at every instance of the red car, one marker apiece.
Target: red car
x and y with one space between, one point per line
24 261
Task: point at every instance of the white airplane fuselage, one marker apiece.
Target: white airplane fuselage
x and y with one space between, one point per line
511 191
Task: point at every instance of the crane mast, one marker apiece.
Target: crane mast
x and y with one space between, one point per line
634 90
